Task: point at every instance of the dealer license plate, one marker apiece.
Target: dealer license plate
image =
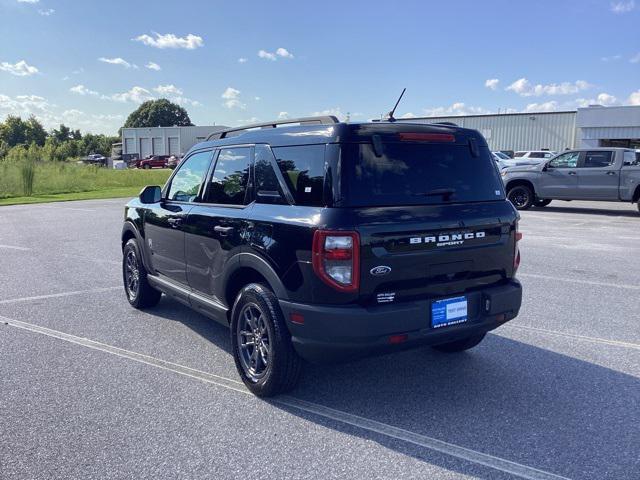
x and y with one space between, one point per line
449 311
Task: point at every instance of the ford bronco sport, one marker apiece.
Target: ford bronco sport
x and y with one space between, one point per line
319 240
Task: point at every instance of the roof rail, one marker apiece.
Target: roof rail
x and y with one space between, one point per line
445 123
321 120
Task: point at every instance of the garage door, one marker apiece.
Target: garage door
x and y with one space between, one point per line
174 146
145 147
129 145
157 146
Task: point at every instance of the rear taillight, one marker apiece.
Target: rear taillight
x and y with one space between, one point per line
336 259
516 253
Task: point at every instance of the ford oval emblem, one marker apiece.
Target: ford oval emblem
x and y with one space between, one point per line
380 270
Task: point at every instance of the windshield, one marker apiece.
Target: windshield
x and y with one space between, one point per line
418 174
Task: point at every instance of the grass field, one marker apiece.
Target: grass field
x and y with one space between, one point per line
54 182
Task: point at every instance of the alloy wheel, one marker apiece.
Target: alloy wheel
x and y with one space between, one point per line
254 343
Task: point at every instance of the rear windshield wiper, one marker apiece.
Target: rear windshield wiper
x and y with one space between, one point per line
445 193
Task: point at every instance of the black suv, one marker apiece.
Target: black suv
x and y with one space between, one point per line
325 241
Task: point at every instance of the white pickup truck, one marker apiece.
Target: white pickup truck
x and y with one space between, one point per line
606 174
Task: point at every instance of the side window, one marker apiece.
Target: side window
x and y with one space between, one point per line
303 170
267 186
185 184
519 154
631 158
537 155
566 160
228 185
597 159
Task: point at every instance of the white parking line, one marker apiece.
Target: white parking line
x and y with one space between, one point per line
473 456
605 341
577 280
57 295
14 247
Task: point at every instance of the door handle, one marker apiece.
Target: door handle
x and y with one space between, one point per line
175 222
223 231
611 173
572 173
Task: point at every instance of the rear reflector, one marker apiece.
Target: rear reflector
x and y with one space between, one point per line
426 137
296 318
395 339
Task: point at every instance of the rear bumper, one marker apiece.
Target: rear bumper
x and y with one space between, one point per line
339 333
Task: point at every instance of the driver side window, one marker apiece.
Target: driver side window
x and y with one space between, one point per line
566 160
185 184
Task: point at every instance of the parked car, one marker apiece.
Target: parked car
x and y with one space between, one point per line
524 158
607 174
327 241
173 161
501 155
153 161
95 159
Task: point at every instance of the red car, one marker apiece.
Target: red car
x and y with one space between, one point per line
154 161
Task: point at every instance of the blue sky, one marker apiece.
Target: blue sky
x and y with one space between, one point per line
87 63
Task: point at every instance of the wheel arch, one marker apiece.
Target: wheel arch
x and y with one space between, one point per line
248 269
636 195
520 181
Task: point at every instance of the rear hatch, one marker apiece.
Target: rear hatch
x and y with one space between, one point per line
431 214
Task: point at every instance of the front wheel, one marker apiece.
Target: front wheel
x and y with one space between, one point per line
262 348
541 202
460 345
139 293
147 166
521 196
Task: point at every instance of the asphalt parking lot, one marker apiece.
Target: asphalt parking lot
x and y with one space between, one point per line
91 388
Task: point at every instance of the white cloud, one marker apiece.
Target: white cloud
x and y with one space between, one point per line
153 66
336 112
492 83
82 90
408 115
635 58
135 94
257 99
231 97
28 1
243 60
185 101
267 55
612 58
118 61
170 40
623 6
455 109
168 90
634 98
542 107
47 12
283 115
524 88
273 56
20 69
602 99
284 53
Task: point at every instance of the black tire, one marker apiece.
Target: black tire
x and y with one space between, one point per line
139 293
541 202
281 370
146 166
460 345
521 196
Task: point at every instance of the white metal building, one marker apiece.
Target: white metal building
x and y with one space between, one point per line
142 142
594 126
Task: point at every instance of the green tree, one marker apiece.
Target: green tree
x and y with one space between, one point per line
62 134
158 113
35 132
13 131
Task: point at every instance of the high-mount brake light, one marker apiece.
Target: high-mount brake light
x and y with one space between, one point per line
336 259
426 137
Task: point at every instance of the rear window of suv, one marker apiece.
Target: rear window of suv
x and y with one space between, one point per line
419 174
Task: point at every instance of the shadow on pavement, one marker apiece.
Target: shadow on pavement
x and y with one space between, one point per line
504 398
553 208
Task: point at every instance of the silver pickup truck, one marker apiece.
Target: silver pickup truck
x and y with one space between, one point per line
607 174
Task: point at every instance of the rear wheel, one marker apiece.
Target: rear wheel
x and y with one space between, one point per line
541 202
521 196
262 348
139 293
146 166
460 345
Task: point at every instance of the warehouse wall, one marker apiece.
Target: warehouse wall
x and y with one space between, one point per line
157 140
522 131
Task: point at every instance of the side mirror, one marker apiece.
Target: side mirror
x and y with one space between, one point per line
547 167
150 194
